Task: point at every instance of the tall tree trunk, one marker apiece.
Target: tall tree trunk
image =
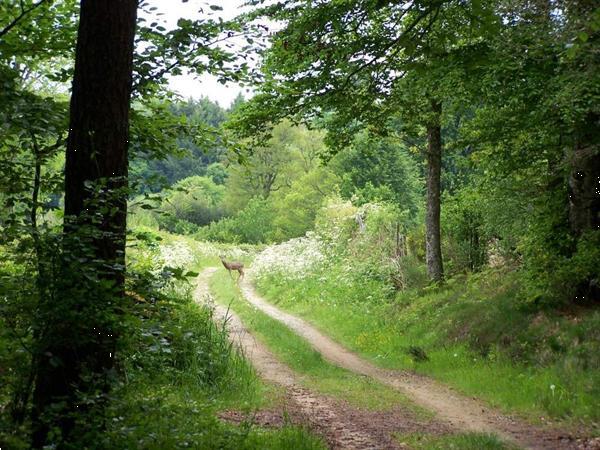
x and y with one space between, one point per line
584 158
77 336
433 248
584 189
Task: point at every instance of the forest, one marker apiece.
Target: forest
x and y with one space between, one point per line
389 239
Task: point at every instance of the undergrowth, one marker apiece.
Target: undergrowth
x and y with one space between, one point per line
179 371
175 369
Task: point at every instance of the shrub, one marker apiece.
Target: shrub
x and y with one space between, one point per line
373 240
294 259
251 225
368 243
193 200
464 235
554 277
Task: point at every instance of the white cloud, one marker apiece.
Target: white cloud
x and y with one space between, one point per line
206 86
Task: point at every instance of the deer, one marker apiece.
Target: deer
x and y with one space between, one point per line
233 265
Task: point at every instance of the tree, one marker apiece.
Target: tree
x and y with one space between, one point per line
173 140
534 135
379 169
266 169
297 207
238 101
356 59
32 125
433 238
194 199
73 357
73 311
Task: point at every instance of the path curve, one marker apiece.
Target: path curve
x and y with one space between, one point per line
458 411
341 429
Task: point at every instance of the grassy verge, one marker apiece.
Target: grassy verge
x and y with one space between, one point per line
476 335
462 441
301 357
180 370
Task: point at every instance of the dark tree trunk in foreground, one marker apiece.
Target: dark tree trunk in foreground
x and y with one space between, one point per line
77 330
433 248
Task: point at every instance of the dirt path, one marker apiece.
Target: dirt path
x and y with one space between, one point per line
458 411
343 426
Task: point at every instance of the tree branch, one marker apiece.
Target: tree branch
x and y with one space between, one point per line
17 19
178 61
382 53
36 187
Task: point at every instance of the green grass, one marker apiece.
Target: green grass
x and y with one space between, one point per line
462 441
151 415
179 370
294 351
477 334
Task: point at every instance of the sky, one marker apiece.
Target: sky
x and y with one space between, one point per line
187 85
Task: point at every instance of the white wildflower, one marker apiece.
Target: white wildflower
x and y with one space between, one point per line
177 254
294 259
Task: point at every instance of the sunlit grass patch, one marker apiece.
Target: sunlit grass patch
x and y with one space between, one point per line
461 441
475 332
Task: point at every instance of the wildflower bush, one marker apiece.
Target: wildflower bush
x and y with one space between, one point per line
301 257
294 259
335 222
183 252
366 242
373 241
176 254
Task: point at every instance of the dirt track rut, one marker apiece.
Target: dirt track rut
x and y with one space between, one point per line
342 427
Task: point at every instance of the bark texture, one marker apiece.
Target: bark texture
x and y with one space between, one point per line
433 248
77 342
584 189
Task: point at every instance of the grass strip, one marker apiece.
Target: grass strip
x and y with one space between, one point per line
294 351
462 441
